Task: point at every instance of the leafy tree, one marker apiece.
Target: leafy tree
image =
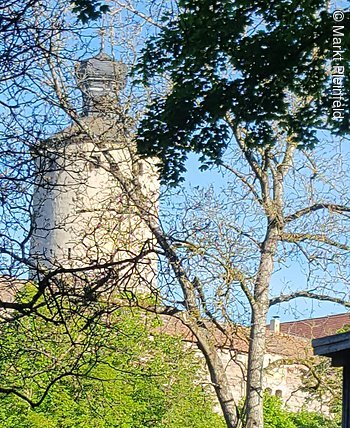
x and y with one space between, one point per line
262 65
203 255
88 9
276 416
37 39
139 378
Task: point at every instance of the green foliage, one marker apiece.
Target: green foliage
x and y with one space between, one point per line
87 10
324 384
263 63
137 380
312 420
275 416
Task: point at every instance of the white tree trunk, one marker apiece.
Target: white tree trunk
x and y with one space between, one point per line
255 417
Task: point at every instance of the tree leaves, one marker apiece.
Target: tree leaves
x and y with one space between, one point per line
88 9
264 63
140 378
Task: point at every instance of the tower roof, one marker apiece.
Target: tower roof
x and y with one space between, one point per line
101 66
100 77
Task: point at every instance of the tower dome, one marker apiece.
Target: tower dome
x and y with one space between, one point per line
100 79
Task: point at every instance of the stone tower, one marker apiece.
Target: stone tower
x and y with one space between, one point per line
83 213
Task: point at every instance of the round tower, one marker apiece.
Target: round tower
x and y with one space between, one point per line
82 212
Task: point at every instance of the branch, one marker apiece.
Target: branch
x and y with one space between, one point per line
245 150
233 274
32 403
330 207
136 12
243 180
286 163
310 295
300 237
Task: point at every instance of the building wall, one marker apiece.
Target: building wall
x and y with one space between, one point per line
281 378
82 214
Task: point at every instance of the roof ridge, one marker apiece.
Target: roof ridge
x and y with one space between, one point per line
317 318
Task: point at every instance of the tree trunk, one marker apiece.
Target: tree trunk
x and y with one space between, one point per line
217 372
255 369
255 418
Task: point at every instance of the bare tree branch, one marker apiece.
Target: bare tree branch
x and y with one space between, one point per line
310 295
301 237
339 209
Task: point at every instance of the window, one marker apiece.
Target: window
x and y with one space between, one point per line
95 161
141 168
278 393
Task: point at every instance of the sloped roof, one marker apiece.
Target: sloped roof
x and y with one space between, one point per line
101 127
314 328
237 339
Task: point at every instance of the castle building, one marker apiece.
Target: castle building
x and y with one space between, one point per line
90 182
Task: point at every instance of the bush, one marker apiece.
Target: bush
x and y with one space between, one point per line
142 379
276 416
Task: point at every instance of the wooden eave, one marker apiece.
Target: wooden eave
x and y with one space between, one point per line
336 347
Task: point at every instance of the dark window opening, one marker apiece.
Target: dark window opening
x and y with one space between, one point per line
95 161
278 393
141 168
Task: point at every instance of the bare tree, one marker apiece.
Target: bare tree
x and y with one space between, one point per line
282 209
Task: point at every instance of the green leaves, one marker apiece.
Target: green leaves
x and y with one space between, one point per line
138 377
88 9
276 416
266 64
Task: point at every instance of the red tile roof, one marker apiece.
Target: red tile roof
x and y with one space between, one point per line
237 339
293 339
316 327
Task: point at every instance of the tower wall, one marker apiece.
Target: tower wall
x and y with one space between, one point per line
83 215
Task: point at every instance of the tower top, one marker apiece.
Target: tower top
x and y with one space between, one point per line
100 79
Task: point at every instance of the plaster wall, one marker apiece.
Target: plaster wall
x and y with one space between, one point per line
280 378
82 214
